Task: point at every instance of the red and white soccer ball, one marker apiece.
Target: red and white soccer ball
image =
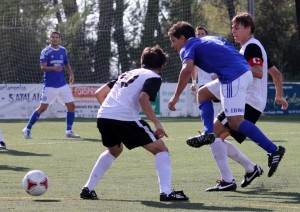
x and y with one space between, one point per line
35 183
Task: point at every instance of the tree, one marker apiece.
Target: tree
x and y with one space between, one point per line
119 35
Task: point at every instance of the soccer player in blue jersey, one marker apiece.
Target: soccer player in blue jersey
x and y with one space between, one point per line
2 143
53 62
215 55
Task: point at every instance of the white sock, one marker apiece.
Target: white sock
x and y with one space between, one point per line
1 137
220 155
164 172
105 160
235 154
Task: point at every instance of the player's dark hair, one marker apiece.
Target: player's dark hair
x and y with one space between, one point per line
55 32
153 57
203 28
244 19
182 28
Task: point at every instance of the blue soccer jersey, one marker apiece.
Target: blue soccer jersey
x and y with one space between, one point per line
215 55
54 57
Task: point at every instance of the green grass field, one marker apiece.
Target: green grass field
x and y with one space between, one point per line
131 183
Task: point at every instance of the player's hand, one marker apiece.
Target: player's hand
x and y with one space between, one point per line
193 87
172 103
282 101
160 132
71 79
58 68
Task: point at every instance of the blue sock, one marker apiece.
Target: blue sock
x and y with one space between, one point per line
255 134
70 119
34 117
207 115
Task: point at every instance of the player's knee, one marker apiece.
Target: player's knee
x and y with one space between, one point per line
70 106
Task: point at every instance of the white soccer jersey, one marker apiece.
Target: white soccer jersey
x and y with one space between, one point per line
257 93
203 77
122 102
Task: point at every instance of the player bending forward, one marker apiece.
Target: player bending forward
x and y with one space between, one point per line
119 123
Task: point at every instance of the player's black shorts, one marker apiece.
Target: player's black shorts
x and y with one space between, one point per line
251 115
131 133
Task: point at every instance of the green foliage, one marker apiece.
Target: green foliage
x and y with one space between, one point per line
104 38
131 183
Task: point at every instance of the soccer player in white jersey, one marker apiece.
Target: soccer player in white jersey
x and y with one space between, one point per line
53 62
203 77
119 123
2 143
215 55
243 28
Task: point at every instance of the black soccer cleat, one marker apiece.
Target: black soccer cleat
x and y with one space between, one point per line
200 140
249 177
87 194
223 186
2 145
173 196
274 160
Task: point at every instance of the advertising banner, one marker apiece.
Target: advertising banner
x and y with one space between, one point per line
18 101
291 92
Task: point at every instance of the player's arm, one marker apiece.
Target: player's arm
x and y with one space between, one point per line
102 92
184 77
148 110
45 68
194 79
277 79
149 93
70 72
253 55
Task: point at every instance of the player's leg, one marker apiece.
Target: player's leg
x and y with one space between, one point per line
252 170
205 94
48 95
164 172
235 106
33 119
114 148
219 151
66 95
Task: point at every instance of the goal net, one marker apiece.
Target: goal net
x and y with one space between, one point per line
103 38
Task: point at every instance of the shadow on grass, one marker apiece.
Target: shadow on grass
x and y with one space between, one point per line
189 206
20 153
270 196
198 206
46 200
92 139
76 139
14 168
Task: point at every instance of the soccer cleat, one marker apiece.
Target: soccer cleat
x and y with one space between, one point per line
2 145
249 177
87 194
223 186
71 134
26 133
202 139
173 196
274 160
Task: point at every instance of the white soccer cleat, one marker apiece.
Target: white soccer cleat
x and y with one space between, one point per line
71 134
26 133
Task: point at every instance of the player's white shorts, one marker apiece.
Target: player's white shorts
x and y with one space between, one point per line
232 95
64 94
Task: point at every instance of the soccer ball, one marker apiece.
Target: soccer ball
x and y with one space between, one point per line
35 183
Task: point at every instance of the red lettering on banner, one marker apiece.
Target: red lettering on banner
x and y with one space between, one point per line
84 91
